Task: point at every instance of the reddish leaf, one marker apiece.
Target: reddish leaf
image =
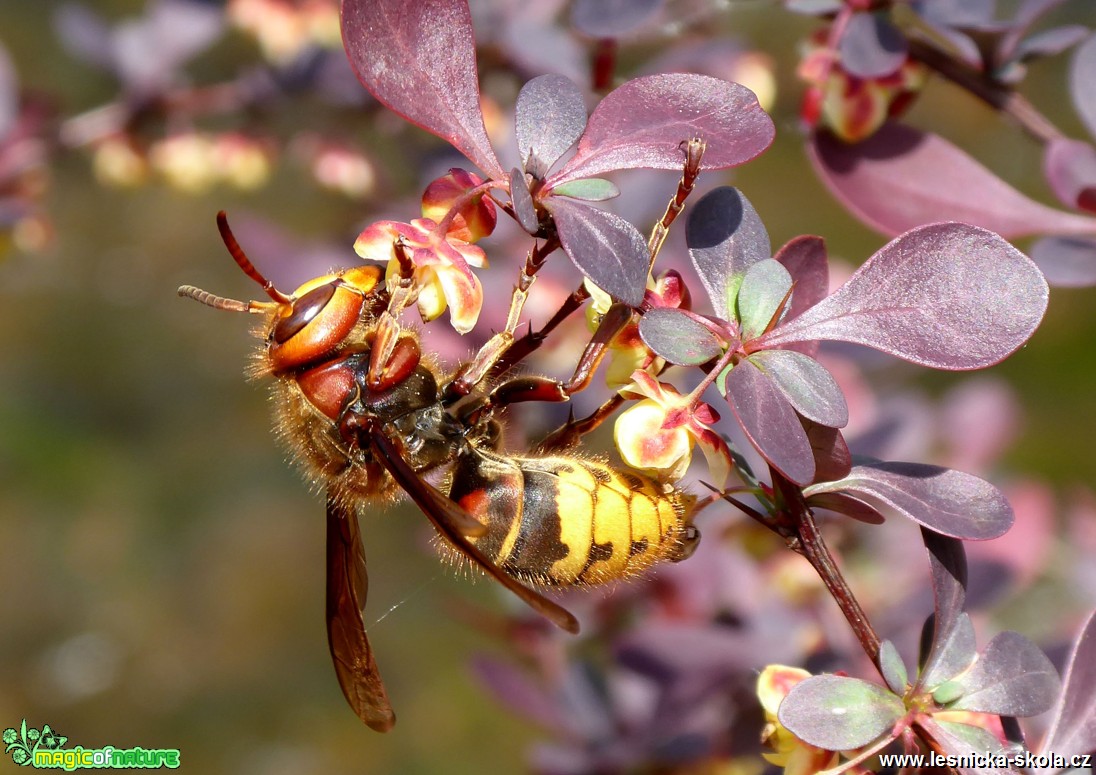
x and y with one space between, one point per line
644 122
605 248
419 59
901 178
807 385
950 502
948 296
805 259
832 459
952 647
522 201
964 740
847 505
770 422
1011 677
1074 727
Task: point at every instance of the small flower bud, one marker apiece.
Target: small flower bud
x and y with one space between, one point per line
475 217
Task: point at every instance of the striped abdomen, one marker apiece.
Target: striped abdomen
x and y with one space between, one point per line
570 520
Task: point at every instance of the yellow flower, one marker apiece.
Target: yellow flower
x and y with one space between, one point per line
789 752
658 434
441 274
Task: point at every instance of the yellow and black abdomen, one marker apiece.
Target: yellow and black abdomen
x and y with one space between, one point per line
565 520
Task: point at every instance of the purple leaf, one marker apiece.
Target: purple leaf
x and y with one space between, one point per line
1070 168
957 13
1014 46
805 259
549 117
764 289
947 296
522 201
839 713
872 47
954 651
1050 42
1067 262
1082 86
807 385
612 18
672 651
644 122
143 52
605 248
84 34
170 33
901 178
957 739
832 459
770 422
847 505
953 646
1074 727
1012 677
950 502
533 43
1030 10
678 337
515 689
419 59
725 237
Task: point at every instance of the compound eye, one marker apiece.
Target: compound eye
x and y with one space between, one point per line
317 324
688 541
304 310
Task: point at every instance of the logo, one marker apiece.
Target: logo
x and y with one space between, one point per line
45 750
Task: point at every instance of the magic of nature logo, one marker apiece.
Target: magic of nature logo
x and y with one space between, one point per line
45 749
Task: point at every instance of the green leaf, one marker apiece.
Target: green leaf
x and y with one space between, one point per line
948 692
761 296
894 670
590 189
679 337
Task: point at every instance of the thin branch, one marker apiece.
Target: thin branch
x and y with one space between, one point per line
995 94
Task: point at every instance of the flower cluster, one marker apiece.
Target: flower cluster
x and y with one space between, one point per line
436 256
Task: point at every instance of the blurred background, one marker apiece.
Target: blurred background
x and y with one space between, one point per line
161 563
